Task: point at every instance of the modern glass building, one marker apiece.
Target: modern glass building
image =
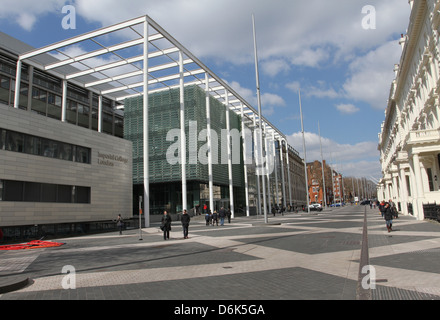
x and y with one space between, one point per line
165 173
165 170
192 140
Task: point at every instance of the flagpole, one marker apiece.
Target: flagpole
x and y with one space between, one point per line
323 175
304 149
259 120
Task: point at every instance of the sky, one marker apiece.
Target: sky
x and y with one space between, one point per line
337 55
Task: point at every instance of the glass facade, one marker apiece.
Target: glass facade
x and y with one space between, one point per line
25 191
29 144
164 127
164 111
45 98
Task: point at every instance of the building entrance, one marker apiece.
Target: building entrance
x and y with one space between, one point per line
218 203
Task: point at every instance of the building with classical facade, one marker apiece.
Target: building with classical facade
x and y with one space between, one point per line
409 141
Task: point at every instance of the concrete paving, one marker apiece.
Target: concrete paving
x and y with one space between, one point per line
295 257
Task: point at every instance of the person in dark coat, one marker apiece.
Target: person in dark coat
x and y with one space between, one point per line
207 218
382 208
215 218
388 216
222 216
185 223
166 225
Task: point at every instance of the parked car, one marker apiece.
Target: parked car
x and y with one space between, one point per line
337 204
365 203
315 207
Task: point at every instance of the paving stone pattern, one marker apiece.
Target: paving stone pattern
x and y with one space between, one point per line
295 257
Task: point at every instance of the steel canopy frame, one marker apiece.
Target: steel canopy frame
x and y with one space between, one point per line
143 59
99 70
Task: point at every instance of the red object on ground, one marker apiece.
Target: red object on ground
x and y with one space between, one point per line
35 244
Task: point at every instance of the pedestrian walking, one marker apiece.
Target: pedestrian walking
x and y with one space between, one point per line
215 218
394 209
185 223
119 223
388 216
228 213
166 225
222 216
382 207
207 218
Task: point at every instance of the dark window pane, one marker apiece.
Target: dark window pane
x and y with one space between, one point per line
4 82
32 145
64 194
65 151
50 148
54 99
32 191
13 190
430 179
2 138
82 194
49 192
14 141
82 155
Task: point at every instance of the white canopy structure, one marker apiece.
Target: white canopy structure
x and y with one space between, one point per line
134 58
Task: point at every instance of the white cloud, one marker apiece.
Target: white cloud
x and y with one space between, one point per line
274 67
311 57
371 75
325 26
272 99
306 33
368 80
293 86
245 93
347 108
321 92
26 20
268 100
352 158
368 169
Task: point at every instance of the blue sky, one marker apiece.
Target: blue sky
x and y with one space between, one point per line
344 70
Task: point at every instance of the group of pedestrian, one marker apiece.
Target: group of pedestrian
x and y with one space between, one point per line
165 226
389 212
275 209
212 218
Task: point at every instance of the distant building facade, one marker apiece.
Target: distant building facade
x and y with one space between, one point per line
334 191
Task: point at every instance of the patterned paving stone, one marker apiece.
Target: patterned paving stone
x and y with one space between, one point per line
296 257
